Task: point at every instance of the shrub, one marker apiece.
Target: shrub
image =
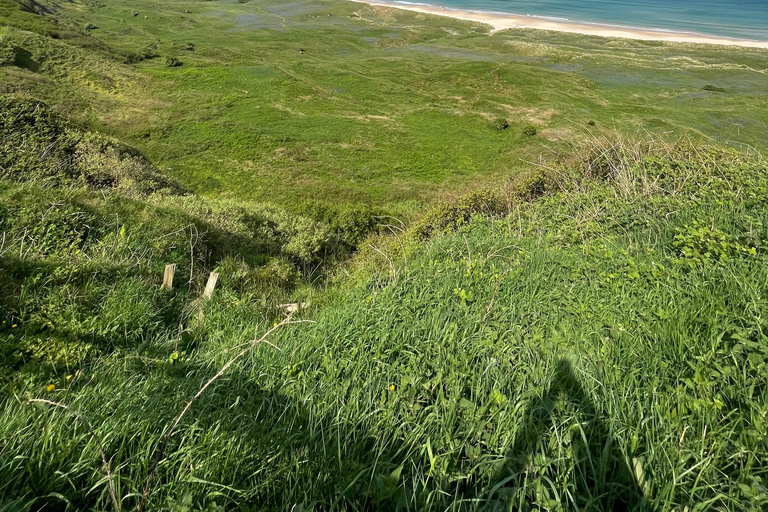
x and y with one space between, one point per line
529 131
349 224
104 162
531 184
452 215
500 124
146 53
260 231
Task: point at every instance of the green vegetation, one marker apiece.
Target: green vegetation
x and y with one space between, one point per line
88 224
478 331
341 102
38 146
601 346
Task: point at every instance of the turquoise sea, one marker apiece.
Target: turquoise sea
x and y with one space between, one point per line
744 19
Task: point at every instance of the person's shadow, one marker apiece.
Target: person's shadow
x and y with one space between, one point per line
601 479
265 424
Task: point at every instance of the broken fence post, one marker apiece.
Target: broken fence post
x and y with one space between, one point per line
292 308
170 270
209 287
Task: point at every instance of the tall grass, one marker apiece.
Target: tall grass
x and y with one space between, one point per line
602 347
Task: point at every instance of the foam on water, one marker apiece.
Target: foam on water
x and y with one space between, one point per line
745 19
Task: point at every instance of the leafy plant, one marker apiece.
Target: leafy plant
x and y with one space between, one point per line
705 245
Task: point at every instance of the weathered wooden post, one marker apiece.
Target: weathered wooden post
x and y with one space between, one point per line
292 308
170 270
209 287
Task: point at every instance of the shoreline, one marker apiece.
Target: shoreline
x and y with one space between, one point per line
503 21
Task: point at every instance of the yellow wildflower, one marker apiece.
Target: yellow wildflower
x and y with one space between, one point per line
391 387
14 326
68 377
50 387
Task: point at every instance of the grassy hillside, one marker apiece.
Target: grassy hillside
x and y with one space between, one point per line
342 102
518 293
88 225
601 347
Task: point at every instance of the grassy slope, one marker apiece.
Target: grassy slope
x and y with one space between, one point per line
382 107
88 225
601 347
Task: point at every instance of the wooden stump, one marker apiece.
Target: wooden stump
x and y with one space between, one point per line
170 270
209 287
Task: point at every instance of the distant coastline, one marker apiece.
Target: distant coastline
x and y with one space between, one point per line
502 21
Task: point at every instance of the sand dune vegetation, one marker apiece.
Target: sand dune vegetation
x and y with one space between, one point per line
323 255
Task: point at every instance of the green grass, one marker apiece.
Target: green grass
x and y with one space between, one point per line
383 107
88 225
602 347
585 329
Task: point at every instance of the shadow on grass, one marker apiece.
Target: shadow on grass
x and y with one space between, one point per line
601 478
257 425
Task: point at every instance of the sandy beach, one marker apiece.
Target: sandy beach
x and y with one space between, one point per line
502 21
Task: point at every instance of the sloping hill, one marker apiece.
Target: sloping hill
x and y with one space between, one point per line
601 347
88 225
347 103
588 334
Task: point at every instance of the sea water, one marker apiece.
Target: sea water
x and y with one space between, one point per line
744 19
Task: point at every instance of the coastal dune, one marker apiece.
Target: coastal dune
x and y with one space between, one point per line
502 21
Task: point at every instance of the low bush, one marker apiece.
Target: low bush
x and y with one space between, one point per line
529 131
449 216
500 124
146 53
349 224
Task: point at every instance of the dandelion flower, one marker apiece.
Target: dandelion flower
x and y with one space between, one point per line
68 377
14 326
50 387
391 387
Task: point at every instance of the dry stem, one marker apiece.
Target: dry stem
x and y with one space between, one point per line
161 451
